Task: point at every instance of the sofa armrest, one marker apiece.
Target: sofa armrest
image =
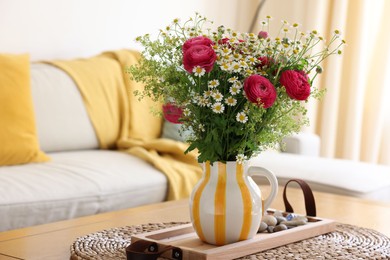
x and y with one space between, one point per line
303 144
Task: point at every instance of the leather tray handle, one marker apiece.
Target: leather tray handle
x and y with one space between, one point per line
310 203
145 250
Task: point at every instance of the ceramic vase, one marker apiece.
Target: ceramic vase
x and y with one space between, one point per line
226 205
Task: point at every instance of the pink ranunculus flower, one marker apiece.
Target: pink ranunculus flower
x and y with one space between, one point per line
199 55
172 113
259 90
199 40
296 84
263 35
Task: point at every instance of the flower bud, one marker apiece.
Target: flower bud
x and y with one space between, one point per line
262 35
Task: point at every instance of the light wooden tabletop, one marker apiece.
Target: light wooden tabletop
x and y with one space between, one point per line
52 241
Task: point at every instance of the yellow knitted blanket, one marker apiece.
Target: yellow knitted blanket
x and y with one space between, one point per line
123 122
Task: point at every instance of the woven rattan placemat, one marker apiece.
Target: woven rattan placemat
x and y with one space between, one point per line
347 242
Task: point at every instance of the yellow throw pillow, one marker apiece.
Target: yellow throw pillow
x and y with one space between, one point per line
18 137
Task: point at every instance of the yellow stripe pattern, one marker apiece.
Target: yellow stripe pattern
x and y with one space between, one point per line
246 202
220 206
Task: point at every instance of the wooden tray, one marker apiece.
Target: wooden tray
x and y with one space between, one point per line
185 238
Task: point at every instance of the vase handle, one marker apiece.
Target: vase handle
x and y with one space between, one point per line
260 171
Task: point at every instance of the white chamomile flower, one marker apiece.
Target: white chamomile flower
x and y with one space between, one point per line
201 127
243 64
234 90
198 71
233 79
207 93
186 112
251 60
217 95
237 56
231 101
218 108
225 66
226 51
203 102
242 117
295 25
233 40
240 158
238 84
213 83
227 57
249 72
236 67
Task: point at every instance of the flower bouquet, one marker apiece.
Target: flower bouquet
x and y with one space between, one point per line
236 93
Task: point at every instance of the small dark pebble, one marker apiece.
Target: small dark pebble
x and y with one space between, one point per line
280 227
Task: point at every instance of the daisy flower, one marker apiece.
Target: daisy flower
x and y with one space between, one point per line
240 158
233 79
231 101
218 108
242 117
207 93
226 50
251 60
225 66
217 96
203 102
237 56
236 67
186 112
213 83
198 71
244 65
238 84
234 90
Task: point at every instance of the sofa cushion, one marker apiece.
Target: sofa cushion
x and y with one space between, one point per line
76 184
62 120
345 177
18 136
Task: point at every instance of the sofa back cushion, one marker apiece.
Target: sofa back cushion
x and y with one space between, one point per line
62 120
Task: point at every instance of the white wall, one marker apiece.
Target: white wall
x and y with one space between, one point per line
50 29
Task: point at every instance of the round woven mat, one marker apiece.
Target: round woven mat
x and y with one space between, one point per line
347 242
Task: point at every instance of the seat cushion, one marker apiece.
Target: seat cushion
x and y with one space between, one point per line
345 177
76 184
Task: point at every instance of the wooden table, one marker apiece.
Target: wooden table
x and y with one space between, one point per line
52 241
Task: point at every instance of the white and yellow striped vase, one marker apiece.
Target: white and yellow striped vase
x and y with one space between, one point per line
226 204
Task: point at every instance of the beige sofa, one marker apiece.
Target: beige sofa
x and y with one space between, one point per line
82 180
